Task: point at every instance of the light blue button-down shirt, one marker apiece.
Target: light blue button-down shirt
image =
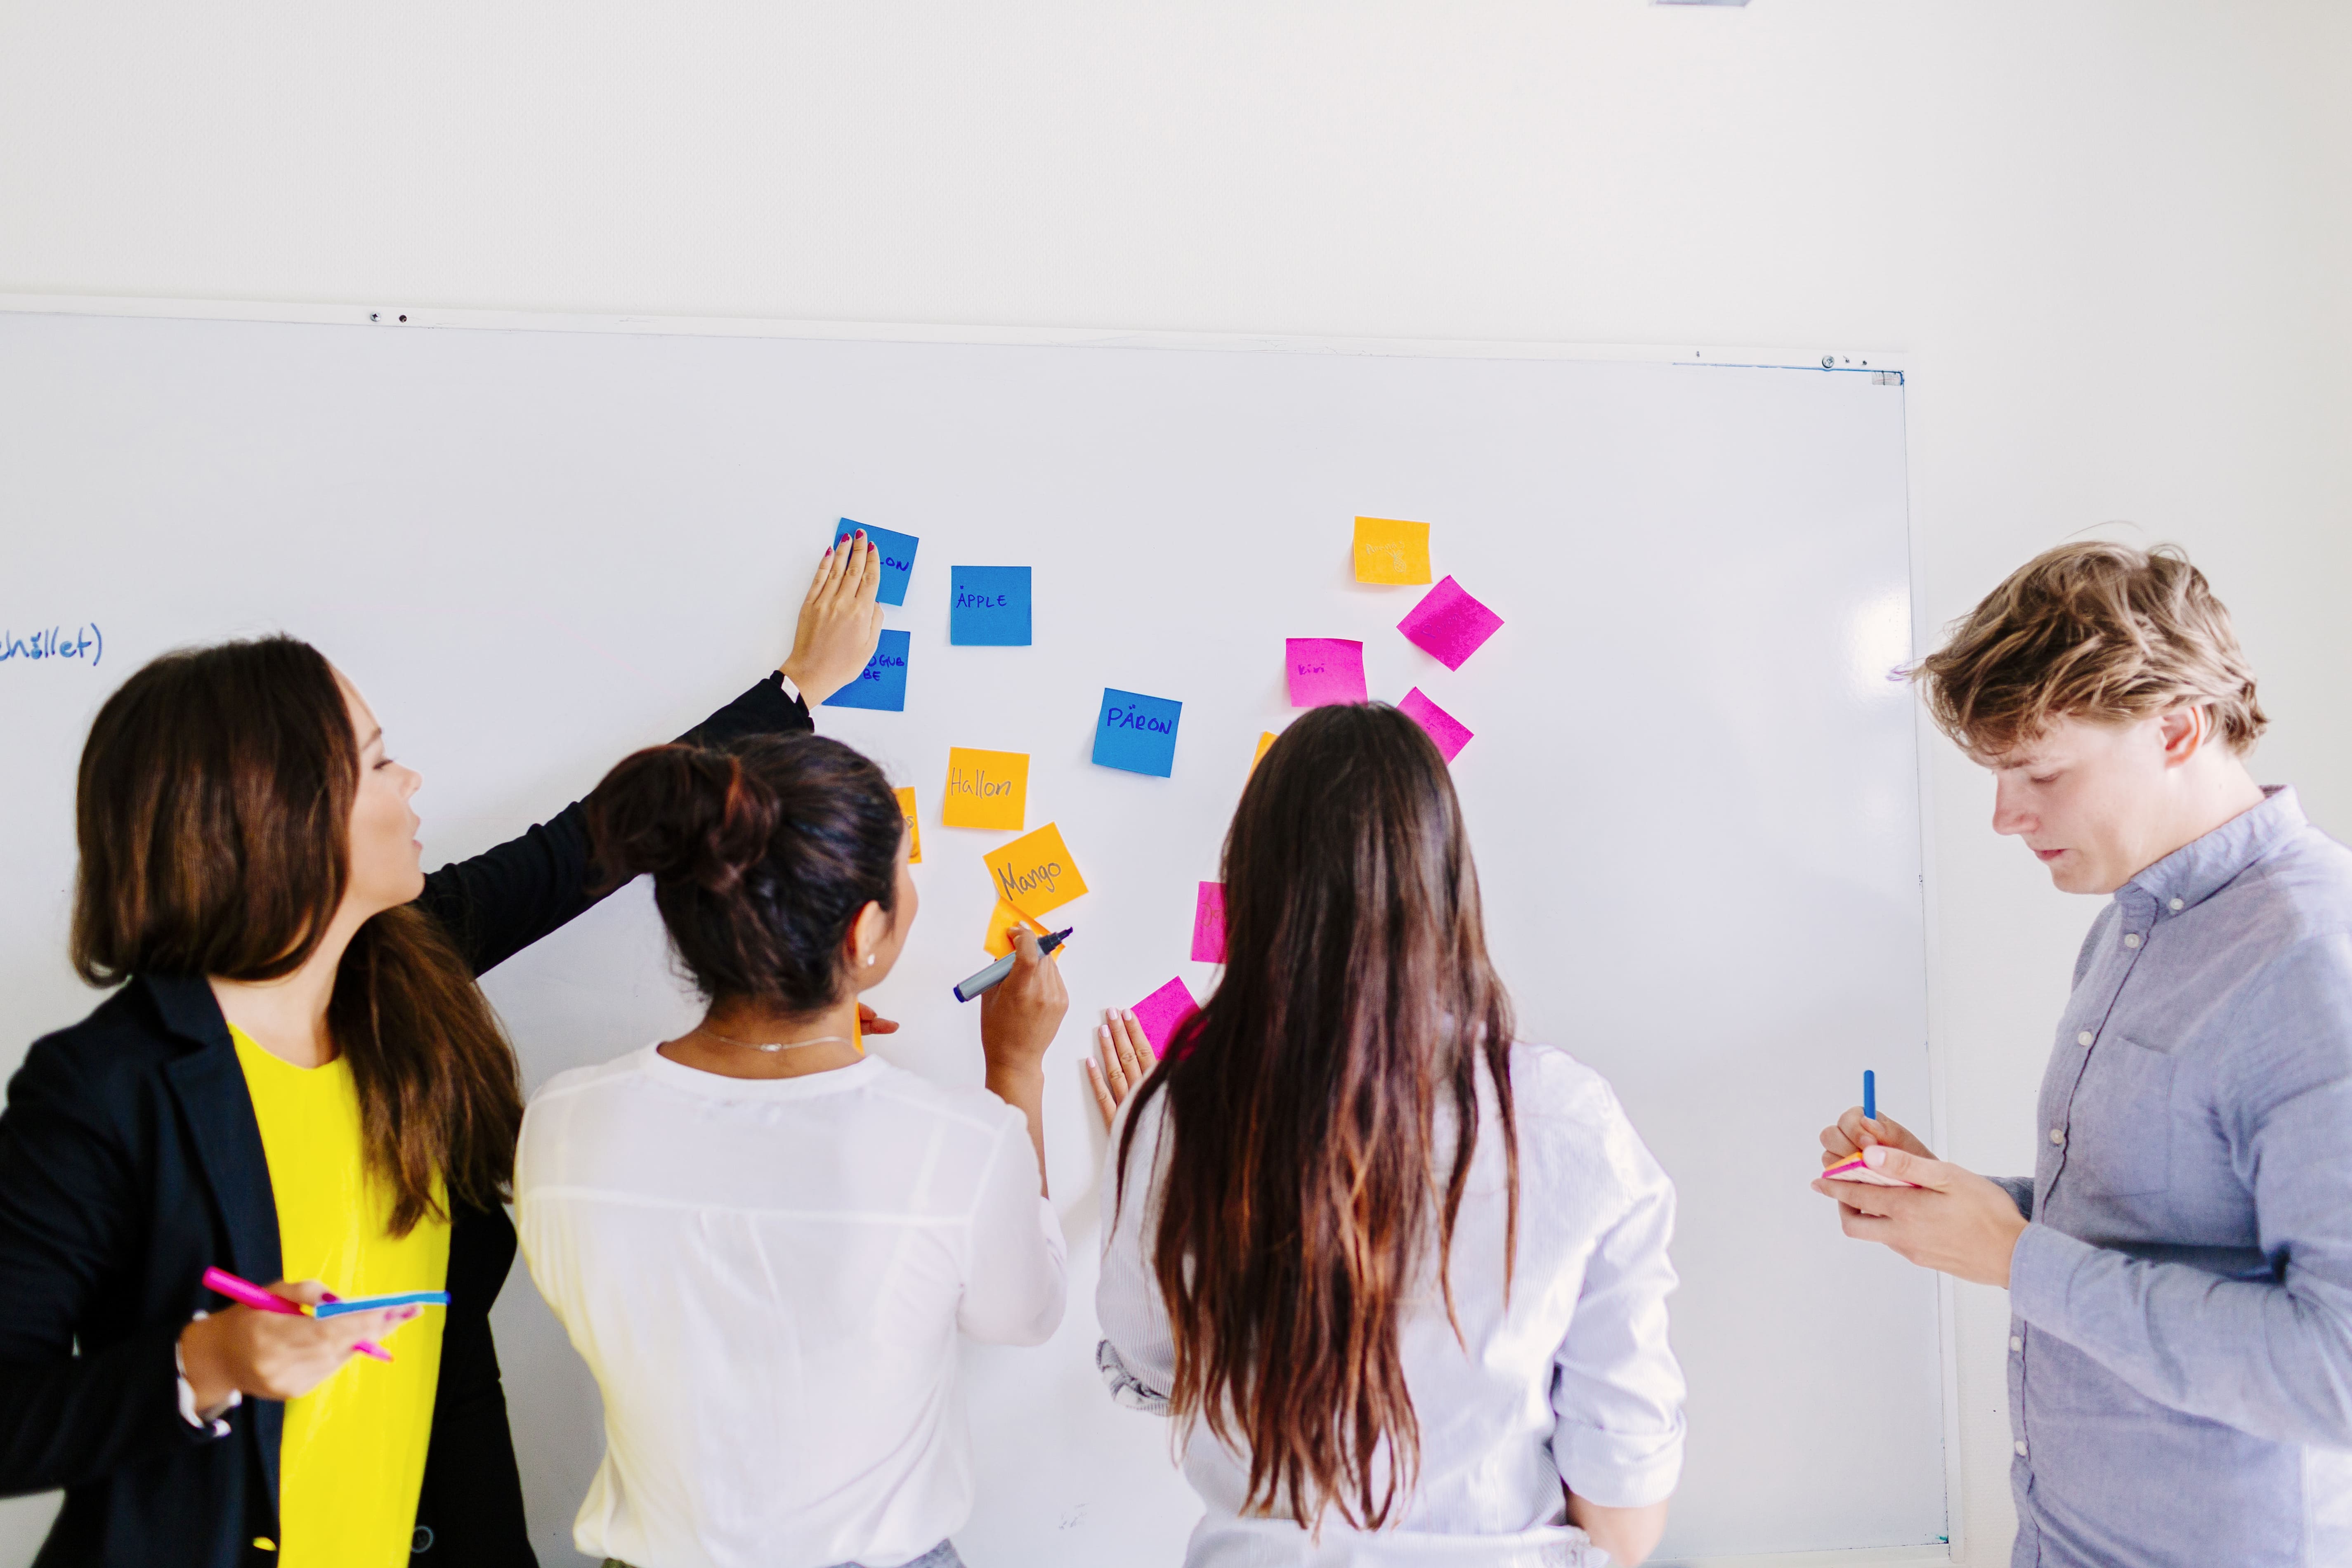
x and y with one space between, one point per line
2180 1359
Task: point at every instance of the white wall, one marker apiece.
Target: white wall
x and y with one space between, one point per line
2114 240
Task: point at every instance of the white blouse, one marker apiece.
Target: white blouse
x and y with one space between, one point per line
1572 1382
768 1278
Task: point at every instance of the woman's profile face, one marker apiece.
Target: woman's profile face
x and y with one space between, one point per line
386 858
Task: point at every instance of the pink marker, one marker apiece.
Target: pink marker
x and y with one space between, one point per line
245 1293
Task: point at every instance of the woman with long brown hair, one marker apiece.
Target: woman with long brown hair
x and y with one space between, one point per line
1400 1278
297 1082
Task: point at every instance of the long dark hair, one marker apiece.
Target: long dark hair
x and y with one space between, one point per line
1300 1168
761 853
213 814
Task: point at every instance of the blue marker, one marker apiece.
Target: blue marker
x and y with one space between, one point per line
375 1304
1869 1095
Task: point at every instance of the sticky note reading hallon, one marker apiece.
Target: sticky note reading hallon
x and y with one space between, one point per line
1390 551
1137 733
1324 670
1449 625
914 829
1035 873
1209 923
985 789
1159 1014
1450 733
882 683
897 553
1001 922
988 606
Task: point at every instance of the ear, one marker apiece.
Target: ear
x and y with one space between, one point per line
2185 731
866 934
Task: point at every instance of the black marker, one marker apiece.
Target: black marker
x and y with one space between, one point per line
1003 966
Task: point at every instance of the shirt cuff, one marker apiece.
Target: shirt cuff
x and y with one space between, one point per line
208 1422
2040 1270
785 683
1619 1469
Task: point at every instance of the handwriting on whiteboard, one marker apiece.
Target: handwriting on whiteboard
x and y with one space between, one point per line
84 642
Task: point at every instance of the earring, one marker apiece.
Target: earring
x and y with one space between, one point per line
869 960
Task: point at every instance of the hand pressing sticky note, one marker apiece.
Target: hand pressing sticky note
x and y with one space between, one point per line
985 789
914 829
1391 551
1137 734
1449 625
1035 873
897 553
882 683
1001 922
1162 1013
1450 733
988 606
1209 923
1324 670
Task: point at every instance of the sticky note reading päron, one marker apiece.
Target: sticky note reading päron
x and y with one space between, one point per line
1137 733
914 829
1391 551
1449 625
882 683
897 553
1450 733
985 789
1001 922
1209 923
1324 670
1159 1014
988 606
1035 873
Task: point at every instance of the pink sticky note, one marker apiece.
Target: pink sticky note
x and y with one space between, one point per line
1448 624
1450 733
1161 1012
1324 670
1209 919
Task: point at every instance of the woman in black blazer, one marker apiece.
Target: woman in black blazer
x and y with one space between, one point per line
131 1160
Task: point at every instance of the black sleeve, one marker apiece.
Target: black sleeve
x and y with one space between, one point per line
68 1218
472 1495
503 899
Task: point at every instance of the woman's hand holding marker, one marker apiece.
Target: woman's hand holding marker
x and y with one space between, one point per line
269 1355
840 622
1127 1060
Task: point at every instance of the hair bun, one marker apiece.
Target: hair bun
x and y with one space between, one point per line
683 814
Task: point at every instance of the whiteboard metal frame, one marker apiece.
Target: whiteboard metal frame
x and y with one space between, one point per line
1886 363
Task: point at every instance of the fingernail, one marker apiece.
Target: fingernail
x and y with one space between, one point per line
1874 1156
1128 1013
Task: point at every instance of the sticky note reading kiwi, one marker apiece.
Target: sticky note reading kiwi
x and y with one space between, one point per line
1035 873
985 789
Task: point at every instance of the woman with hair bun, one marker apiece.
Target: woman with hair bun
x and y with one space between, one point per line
764 1243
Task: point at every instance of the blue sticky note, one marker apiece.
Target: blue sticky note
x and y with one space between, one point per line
882 683
897 557
1137 733
988 606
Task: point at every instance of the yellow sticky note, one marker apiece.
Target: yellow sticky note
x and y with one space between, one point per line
914 829
1001 922
1035 873
1265 740
1390 551
986 789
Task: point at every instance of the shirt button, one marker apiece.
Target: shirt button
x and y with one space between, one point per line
2057 1136
2085 1038
2020 1448
2131 939
2179 905
2016 1341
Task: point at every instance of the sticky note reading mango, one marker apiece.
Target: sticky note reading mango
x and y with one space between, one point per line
1391 551
1001 922
914 829
1035 873
986 789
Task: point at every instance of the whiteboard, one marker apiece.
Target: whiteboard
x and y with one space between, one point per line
1693 790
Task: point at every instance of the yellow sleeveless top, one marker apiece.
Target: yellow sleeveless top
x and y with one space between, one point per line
352 1459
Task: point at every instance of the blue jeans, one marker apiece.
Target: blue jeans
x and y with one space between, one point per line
943 1555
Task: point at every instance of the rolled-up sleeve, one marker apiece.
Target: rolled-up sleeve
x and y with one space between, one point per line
1016 1271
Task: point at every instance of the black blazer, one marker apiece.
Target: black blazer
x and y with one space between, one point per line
129 1160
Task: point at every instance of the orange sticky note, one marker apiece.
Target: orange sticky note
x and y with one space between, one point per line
986 789
1390 551
1035 873
1265 740
857 1031
1001 922
914 829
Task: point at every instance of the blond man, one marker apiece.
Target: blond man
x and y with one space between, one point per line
2179 1266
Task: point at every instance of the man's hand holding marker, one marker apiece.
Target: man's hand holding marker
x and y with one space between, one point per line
1933 1214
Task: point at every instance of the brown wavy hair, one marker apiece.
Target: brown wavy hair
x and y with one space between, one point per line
213 814
1305 1188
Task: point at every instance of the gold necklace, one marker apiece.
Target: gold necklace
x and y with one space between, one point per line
778 1046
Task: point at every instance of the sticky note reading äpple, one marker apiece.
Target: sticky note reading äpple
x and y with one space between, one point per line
1390 551
1159 1013
1137 733
988 606
1209 923
985 789
1324 670
1450 733
1035 873
882 683
1001 922
914 829
898 552
1449 625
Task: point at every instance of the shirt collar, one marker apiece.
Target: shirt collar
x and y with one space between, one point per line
2203 867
